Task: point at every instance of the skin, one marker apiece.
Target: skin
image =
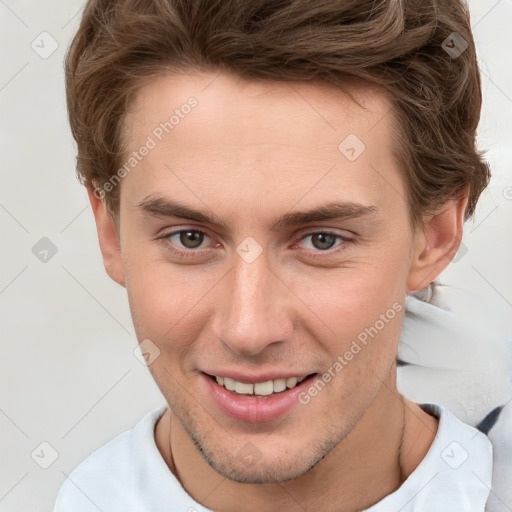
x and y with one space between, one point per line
249 153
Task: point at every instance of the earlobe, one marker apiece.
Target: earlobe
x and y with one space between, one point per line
108 238
437 244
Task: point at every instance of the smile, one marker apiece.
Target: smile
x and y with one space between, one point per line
255 402
259 388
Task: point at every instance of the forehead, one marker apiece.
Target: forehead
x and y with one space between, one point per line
223 98
264 136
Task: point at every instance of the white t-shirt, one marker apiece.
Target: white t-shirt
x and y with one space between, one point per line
128 474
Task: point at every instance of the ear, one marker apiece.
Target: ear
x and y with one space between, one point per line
108 238
437 242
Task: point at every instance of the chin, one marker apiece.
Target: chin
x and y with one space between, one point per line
262 472
250 466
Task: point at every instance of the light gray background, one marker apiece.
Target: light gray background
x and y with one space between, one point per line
68 375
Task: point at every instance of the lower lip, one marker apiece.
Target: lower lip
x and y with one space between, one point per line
252 409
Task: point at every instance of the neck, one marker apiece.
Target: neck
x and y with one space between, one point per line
384 448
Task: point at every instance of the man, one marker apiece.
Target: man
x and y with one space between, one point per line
270 180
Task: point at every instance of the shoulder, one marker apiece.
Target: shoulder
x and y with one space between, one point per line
498 426
455 474
457 438
112 473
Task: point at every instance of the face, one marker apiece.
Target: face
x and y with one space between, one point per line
246 288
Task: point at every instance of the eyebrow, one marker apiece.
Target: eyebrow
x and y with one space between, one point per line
163 207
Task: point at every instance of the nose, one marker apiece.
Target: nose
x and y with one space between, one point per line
253 308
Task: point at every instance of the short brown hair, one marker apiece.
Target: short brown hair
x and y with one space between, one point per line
400 45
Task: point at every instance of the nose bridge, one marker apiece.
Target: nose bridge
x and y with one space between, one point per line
252 314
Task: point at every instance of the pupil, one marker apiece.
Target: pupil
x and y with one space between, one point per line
191 239
322 237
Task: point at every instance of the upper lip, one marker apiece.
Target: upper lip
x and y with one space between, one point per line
252 378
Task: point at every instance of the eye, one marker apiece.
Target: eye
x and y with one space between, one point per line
323 241
189 242
189 239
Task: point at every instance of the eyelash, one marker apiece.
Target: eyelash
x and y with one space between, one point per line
192 252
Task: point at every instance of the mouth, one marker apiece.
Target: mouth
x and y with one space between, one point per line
259 389
256 402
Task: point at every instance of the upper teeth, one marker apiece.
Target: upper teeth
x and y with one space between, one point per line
260 388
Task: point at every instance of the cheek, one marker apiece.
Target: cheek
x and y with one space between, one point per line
351 300
162 300
366 320
361 311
